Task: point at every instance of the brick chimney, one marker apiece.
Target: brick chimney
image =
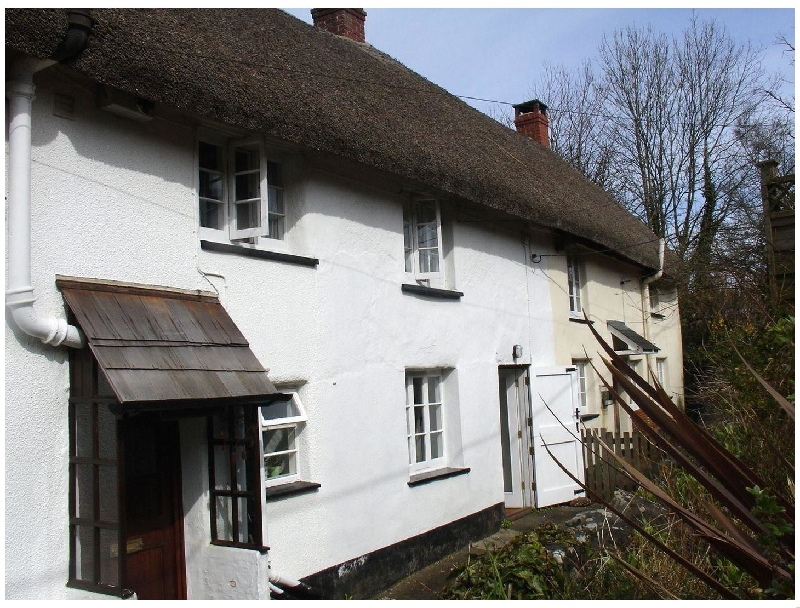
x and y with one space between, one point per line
347 22
530 118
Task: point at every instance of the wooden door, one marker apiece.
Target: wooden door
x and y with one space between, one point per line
556 427
515 437
154 566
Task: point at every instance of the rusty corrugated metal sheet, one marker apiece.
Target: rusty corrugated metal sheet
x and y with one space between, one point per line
165 345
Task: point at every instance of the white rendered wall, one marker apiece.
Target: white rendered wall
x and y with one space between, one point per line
113 199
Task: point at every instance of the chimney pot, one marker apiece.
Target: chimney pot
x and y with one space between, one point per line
530 119
347 22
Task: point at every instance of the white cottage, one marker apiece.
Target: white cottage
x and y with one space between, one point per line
282 311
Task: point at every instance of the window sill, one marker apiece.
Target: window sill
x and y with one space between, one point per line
418 479
287 489
263 254
657 315
580 320
432 292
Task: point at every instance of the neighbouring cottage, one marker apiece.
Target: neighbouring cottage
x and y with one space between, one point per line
282 313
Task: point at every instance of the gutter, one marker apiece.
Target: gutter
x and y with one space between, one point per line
20 93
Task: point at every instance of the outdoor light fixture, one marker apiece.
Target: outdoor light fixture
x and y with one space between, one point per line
517 351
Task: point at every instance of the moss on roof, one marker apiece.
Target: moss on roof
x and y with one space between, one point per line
264 70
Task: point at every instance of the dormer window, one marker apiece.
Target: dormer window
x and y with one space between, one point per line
240 191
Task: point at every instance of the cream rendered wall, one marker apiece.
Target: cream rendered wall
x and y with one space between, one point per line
114 199
611 291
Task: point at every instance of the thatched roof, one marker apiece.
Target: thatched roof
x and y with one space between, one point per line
264 70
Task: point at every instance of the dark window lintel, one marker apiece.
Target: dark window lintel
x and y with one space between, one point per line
443 473
258 253
433 292
287 489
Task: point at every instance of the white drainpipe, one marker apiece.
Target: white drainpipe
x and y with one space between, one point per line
19 293
646 297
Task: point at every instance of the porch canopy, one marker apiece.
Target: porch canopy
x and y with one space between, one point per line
164 348
627 340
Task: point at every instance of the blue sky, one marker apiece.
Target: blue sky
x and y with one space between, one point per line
499 53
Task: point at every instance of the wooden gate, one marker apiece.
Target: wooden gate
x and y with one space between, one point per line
602 476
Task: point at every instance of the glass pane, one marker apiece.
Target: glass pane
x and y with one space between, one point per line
245 521
436 417
407 239
107 432
241 467
210 156
109 557
84 491
429 260
83 430
278 466
248 215
219 427
418 383
224 513
103 386
279 440
437 445
84 553
211 185
248 186
426 213
246 159
275 200
433 389
278 409
427 235
222 467
419 419
274 174
211 214
108 494
420 444
276 227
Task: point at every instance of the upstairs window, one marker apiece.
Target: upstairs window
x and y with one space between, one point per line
422 234
240 191
425 420
574 282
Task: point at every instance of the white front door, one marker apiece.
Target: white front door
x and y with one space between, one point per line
557 387
515 437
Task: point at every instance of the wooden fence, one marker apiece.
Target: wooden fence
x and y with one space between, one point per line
602 476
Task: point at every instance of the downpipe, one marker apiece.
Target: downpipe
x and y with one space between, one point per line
646 298
20 93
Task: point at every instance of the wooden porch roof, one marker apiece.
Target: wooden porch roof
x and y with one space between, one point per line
158 345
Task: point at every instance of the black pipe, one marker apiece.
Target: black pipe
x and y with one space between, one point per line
79 24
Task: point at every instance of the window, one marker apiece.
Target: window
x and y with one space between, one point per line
281 423
422 234
574 281
425 420
240 191
661 372
234 477
582 394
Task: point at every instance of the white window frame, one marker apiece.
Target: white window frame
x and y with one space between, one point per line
228 231
581 366
411 257
575 286
661 372
412 433
294 422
